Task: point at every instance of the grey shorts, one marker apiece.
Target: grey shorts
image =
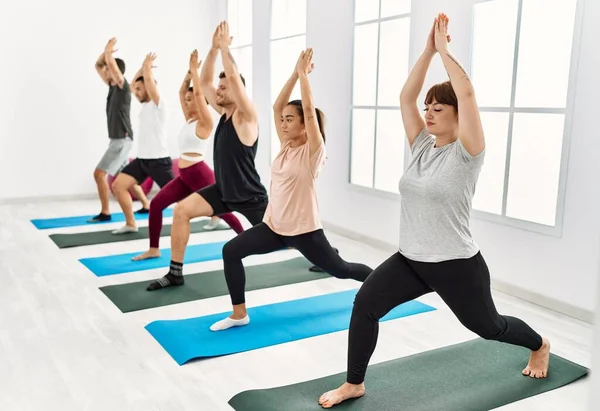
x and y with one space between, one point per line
116 156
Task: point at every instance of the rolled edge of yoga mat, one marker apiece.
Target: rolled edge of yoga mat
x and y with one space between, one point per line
476 375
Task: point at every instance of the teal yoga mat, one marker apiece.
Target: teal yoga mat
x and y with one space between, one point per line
477 375
122 263
271 324
61 222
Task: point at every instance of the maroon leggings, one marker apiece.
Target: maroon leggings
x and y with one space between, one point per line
190 180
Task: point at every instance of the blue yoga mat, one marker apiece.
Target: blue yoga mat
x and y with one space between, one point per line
272 324
47 223
122 263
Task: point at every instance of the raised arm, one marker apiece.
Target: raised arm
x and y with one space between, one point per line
182 92
100 68
282 100
470 130
205 121
149 80
411 116
236 87
207 74
113 68
311 123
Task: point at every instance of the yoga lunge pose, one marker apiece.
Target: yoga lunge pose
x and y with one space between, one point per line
292 215
437 252
153 158
194 173
238 186
120 133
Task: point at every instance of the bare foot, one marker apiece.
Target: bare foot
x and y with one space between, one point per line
539 361
343 393
151 253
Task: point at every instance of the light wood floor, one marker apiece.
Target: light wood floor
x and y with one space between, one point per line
64 346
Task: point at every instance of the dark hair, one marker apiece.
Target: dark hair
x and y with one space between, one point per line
140 78
121 65
442 93
222 75
191 90
320 115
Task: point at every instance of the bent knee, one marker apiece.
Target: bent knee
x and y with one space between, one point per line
366 305
233 250
99 174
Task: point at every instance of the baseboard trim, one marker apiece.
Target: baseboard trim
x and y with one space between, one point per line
47 199
509 289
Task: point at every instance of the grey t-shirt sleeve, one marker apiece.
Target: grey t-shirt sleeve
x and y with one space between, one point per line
420 141
467 157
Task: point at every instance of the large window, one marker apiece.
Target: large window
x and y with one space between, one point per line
239 18
380 68
520 68
288 39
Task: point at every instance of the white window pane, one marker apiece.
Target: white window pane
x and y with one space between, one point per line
365 65
284 55
490 186
393 60
545 53
243 59
288 18
363 144
535 167
394 7
239 18
365 10
493 54
389 150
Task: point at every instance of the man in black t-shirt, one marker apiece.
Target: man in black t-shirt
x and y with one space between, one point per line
120 133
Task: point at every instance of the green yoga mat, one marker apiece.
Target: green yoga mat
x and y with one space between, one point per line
133 296
477 375
104 237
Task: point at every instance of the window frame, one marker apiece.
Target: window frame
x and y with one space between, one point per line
244 45
503 219
553 231
274 136
356 187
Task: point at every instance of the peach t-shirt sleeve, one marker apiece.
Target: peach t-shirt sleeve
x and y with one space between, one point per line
317 160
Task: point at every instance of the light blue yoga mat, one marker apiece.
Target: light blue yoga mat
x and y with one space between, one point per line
272 324
61 222
122 263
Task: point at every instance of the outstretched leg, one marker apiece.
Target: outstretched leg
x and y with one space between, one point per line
464 285
316 248
259 239
173 192
389 285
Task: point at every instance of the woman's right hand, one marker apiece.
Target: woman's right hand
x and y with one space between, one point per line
194 63
430 45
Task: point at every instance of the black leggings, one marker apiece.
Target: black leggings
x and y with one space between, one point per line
463 284
260 239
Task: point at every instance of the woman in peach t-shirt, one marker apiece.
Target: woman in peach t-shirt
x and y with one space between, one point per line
292 215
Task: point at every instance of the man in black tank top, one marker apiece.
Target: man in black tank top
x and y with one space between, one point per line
238 186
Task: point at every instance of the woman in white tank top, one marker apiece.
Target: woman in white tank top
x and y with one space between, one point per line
194 173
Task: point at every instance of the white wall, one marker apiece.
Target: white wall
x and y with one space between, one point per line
562 269
53 129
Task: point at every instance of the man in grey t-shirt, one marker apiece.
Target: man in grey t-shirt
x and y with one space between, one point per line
120 133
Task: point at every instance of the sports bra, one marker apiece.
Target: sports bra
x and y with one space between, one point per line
189 142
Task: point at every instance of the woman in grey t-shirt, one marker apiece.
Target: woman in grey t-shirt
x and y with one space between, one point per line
436 251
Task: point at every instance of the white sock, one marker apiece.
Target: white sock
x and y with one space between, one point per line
214 224
228 323
125 229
